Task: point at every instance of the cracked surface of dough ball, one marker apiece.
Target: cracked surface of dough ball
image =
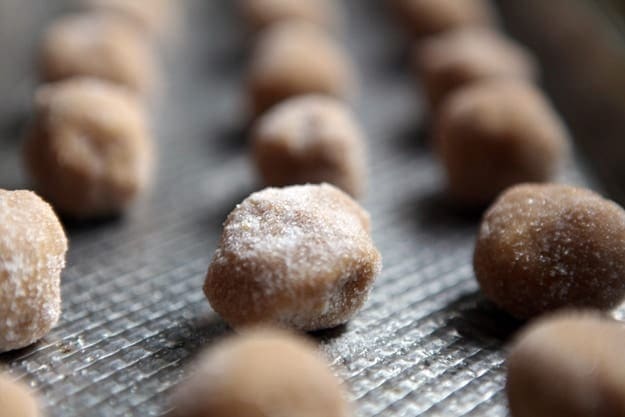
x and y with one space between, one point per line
32 255
310 139
299 257
151 16
293 59
546 247
429 17
261 373
494 134
454 59
260 14
99 46
16 400
568 365
89 150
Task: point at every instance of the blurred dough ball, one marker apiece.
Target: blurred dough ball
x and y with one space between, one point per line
310 139
261 373
89 150
428 17
293 59
151 16
497 133
16 400
456 58
260 14
100 46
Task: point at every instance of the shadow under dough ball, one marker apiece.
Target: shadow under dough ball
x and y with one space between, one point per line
296 58
494 134
260 14
310 139
299 257
261 373
100 46
456 58
545 247
428 17
89 150
16 400
32 255
568 365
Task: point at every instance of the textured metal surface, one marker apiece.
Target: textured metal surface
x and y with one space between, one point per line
426 344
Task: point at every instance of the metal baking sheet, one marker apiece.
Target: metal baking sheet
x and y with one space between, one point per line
426 344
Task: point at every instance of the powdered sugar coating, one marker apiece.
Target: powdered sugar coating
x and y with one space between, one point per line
89 151
299 256
310 139
32 255
261 373
544 247
17 400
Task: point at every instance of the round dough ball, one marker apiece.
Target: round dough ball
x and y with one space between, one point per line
300 257
16 400
494 134
310 139
89 150
429 17
262 373
457 58
568 365
260 14
100 46
32 255
293 59
150 16
544 247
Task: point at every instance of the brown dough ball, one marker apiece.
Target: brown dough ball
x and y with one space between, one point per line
97 45
32 255
568 365
16 400
293 59
89 150
495 134
429 17
544 247
299 256
454 59
262 373
151 16
310 139
261 14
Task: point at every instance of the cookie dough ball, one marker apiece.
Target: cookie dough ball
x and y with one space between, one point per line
568 365
544 247
16 400
97 45
260 14
32 255
310 139
299 257
429 17
495 134
454 59
89 150
293 59
150 16
262 373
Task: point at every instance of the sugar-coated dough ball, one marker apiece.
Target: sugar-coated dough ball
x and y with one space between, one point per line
151 16
428 17
89 150
100 46
261 373
32 255
456 58
544 247
310 139
568 365
494 134
292 59
16 400
299 257
261 14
